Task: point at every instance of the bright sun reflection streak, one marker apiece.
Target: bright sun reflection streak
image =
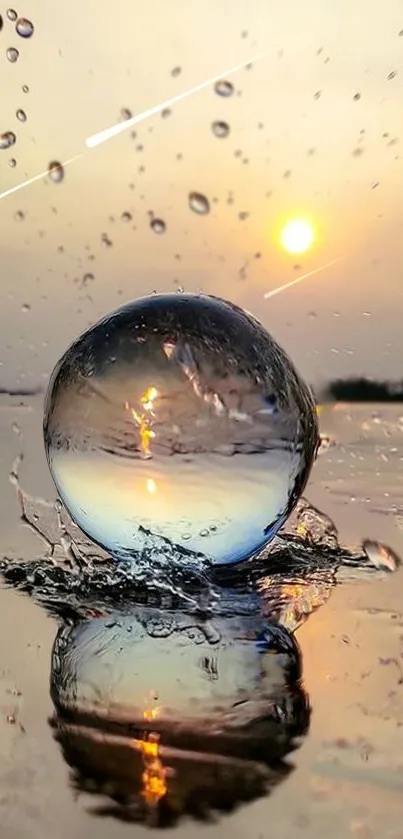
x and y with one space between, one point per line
36 178
108 133
280 288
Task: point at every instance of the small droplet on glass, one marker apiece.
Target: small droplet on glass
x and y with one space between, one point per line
11 14
166 112
12 163
25 307
176 72
19 215
391 75
224 88
318 94
126 216
125 114
7 139
158 225
199 203
12 55
25 88
220 129
106 241
243 215
56 171
24 27
21 115
357 97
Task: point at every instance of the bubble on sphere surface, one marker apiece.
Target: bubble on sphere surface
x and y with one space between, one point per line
178 416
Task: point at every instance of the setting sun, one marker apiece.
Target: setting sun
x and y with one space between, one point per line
297 236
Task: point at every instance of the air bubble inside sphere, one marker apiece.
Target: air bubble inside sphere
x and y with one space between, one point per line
178 416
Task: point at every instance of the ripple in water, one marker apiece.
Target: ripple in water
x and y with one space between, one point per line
179 418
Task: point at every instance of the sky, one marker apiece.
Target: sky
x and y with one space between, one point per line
315 132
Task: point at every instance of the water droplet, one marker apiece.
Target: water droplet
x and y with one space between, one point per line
199 203
25 88
25 307
380 555
136 457
158 225
224 88
318 94
125 114
24 27
220 129
12 162
126 216
391 75
166 112
357 97
21 115
243 215
106 241
7 139
12 54
176 72
11 14
19 215
56 171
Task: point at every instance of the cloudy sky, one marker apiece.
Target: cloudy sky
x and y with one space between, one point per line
315 131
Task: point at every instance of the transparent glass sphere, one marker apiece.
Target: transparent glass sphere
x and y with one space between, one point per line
178 416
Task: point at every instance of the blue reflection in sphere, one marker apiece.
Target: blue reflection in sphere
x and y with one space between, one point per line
178 416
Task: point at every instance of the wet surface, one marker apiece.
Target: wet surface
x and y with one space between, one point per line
147 740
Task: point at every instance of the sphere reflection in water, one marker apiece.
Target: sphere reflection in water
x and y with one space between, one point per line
178 416
169 714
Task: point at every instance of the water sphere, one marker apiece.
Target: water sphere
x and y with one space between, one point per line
178 417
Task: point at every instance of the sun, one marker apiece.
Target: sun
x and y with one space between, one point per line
297 235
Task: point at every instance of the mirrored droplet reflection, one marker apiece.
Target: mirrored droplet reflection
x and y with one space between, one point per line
165 715
175 416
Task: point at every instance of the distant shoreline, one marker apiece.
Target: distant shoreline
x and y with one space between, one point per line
360 389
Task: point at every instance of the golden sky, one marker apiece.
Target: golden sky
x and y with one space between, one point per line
315 132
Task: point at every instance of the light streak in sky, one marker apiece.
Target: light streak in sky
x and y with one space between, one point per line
35 178
108 133
284 287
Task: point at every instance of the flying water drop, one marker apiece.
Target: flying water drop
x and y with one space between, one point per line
179 415
220 129
199 203
12 55
224 88
24 27
158 225
56 171
7 139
